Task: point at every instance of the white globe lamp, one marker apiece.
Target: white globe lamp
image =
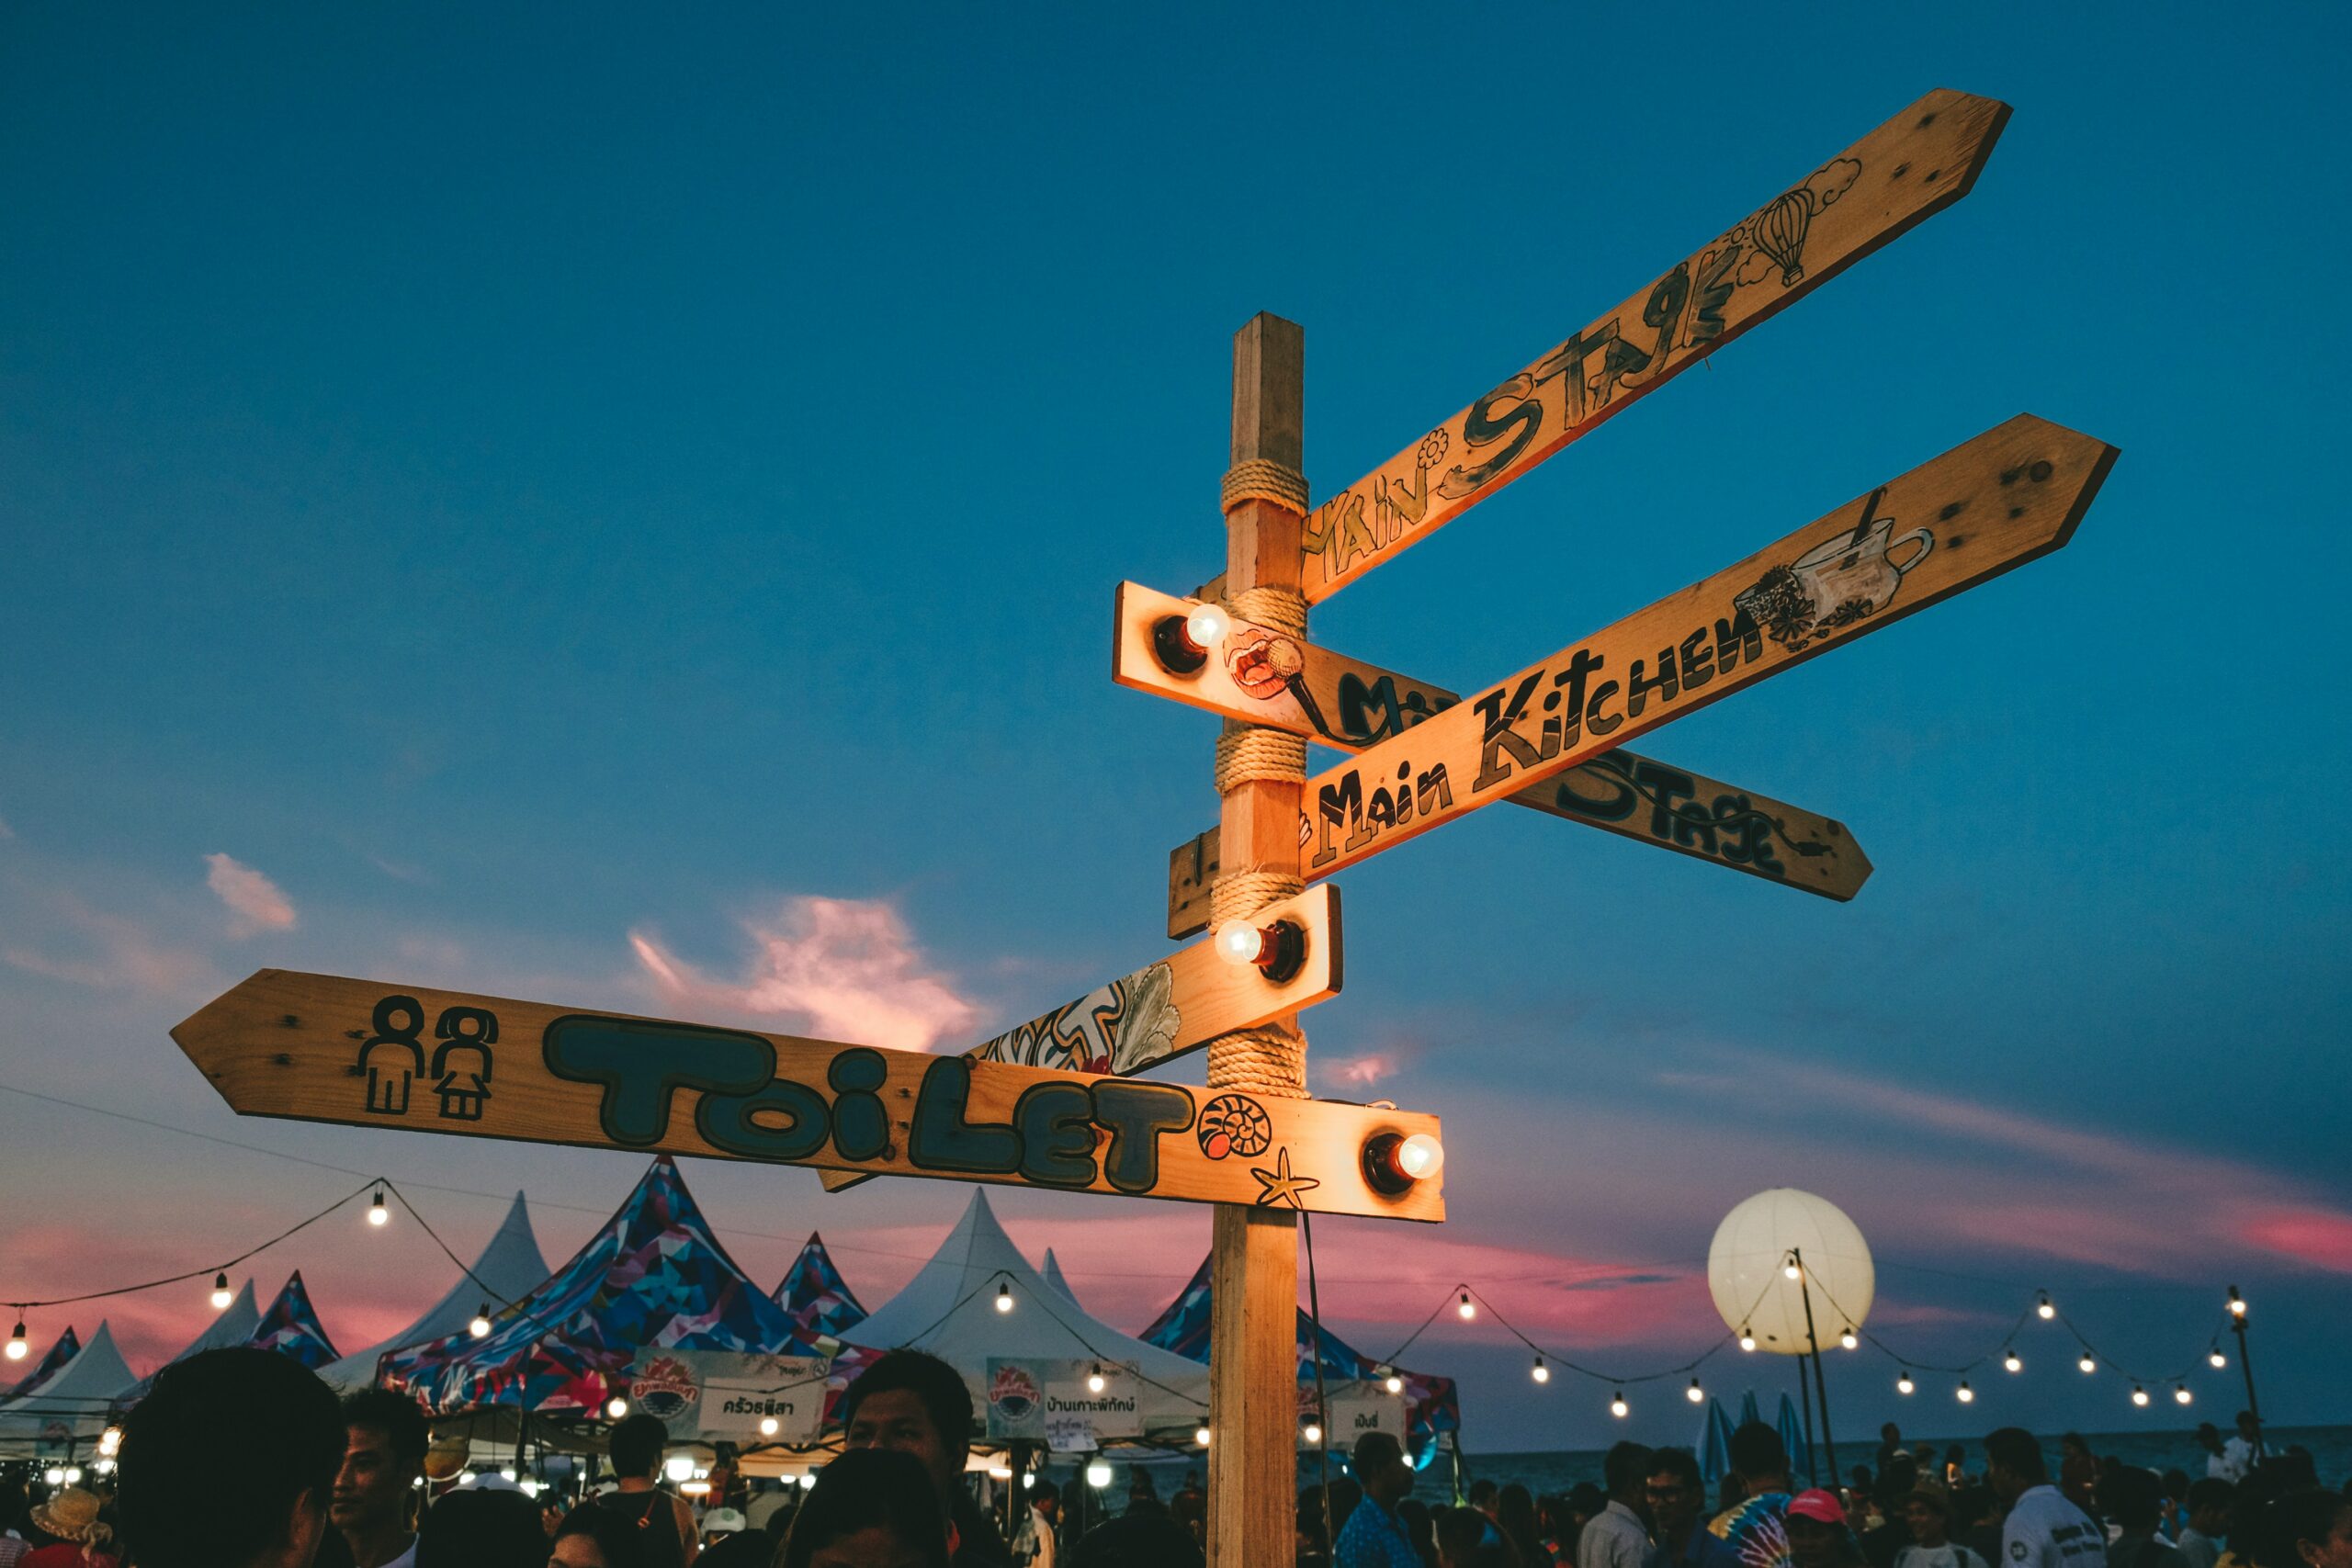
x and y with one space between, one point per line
1752 1275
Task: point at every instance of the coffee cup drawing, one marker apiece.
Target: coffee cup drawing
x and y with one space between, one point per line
1849 575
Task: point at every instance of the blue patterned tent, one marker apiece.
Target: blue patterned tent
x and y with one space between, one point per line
816 1297
653 1277
291 1327
68 1346
1431 1406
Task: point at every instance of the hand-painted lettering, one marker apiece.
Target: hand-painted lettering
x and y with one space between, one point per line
642 1065
942 1139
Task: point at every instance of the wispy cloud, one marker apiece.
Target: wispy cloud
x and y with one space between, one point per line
114 955
257 903
839 968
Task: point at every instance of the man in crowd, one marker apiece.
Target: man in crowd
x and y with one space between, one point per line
1890 1444
1375 1536
2243 1448
1617 1537
383 1455
2132 1499
917 1404
665 1525
2210 1503
1756 1529
1884 1542
2042 1529
1677 1494
1035 1542
229 1463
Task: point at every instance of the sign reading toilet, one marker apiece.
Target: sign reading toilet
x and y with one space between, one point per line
2012 494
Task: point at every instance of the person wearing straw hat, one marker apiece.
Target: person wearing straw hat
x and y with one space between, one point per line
70 1522
1927 1510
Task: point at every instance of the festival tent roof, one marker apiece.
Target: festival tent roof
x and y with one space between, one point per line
507 1270
291 1326
1431 1406
1053 1277
73 1405
68 1346
949 1309
816 1297
236 1325
654 1276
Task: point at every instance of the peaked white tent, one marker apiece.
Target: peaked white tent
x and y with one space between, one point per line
235 1326
73 1406
949 1308
511 1265
1053 1277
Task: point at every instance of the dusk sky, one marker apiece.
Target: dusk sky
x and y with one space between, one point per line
620 508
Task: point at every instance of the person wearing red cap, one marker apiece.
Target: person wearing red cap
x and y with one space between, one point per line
1818 1534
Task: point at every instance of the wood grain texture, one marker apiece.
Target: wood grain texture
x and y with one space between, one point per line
1916 164
1168 1009
377 1054
1259 675
2011 495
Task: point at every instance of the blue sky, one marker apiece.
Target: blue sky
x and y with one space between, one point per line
519 481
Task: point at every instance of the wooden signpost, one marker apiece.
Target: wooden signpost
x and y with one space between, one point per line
1916 164
371 1053
1258 675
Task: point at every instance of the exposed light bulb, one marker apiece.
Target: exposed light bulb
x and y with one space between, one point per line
616 1407
54 1476
1850 1340
1540 1373
508 1475
1747 1338
1904 1384
2237 1302
1201 1436
1965 1393
1000 1471
1420 1156
2181 1394
377 1214
2043 1308
1694 1393
220 1296
1312 1433
479 1326
1240 942
2217 1360
2139 1395
1098 1474
2087 1364
73 1475
1393 1384
679 1467
768 1426
1208 625
1094 1379
1003 1296
1791 1272
807 1479
1617 1405
2012 1363
109 1440
17 1348
1466 1311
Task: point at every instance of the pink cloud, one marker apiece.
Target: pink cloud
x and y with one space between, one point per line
2321 1238
116 956
839 968
257 903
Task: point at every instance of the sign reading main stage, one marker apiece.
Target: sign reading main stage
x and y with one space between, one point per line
368 1054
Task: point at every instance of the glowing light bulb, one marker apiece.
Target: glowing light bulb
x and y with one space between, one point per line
54 1476
17 1348
2237 1302
1393 1384
1240 942
2139 1395
1904 1384
1747 1338
1790 1270
2181 1394
1208 625
508 1475
2087 1365
109 1440
1312 1433
1540 1373
1201 1436
807 1479
73 1475
2217 1360
1466 1311
377 1214
1420 1156
2043 1309
1094 1379
767 1426
1000 1471
1694 1393
1965 1393
220 1296
679 1467
479 1326
1850 1340
1098 1474
2012 1363
1003 1296
1617 1405
616 1407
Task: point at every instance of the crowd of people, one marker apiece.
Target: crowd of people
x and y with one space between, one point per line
1913 1509
242 1459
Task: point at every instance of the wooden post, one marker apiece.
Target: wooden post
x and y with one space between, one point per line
1253 1369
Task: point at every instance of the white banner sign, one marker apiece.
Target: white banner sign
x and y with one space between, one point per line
1055 1402
1360 1407
731 1394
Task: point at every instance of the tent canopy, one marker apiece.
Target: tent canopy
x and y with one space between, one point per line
949 1309
291 1326
510 1265
236 1325
1053 1277
68 1345
815 1296
73 1405
653 1277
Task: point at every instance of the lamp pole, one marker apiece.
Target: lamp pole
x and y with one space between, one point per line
2245 1365
1820 1384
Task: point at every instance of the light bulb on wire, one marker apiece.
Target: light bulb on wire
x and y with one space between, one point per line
1747 1338
1467 1310
1094 1379
1312 1433
17 1348
2043 1308
2139 1396
2012 1362
479 1326
1965 1393
377 1214
1540 1373
1694 1393
2087 1364
1790 1269
767 1426
1201 1436
1902 1383
2237 1302
1393 1384
616 1407
220 1296
2181 1394
1850 1340
1003 1296
2217 1358
1617 1405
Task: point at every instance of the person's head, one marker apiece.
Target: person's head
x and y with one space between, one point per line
2132 1497
1584 1500
2013 1462
1046 1498
2208 1437
2209 1504
227 1464
1467 1538
1891 1435
1627 1471
2247 1424
2072 1445
1379 1464
1816 1528
473 1528
873 1507
1759 1459
593 1536
1481 1497
1136 1541
1675 1492
1927 1510
69 1515
917 1405
1896 1482
636 1446
383 1454
1515 1515
2308 1528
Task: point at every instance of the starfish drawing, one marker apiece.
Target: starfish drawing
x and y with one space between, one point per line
1280 1186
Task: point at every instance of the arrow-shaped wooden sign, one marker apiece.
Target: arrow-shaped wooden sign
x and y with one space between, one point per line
1177 1004
1258 675
2012 494
371 1053
1915 166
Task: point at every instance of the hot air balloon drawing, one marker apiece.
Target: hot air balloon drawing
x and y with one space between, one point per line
1780 229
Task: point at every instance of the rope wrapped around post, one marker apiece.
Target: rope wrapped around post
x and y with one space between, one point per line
1268 1060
